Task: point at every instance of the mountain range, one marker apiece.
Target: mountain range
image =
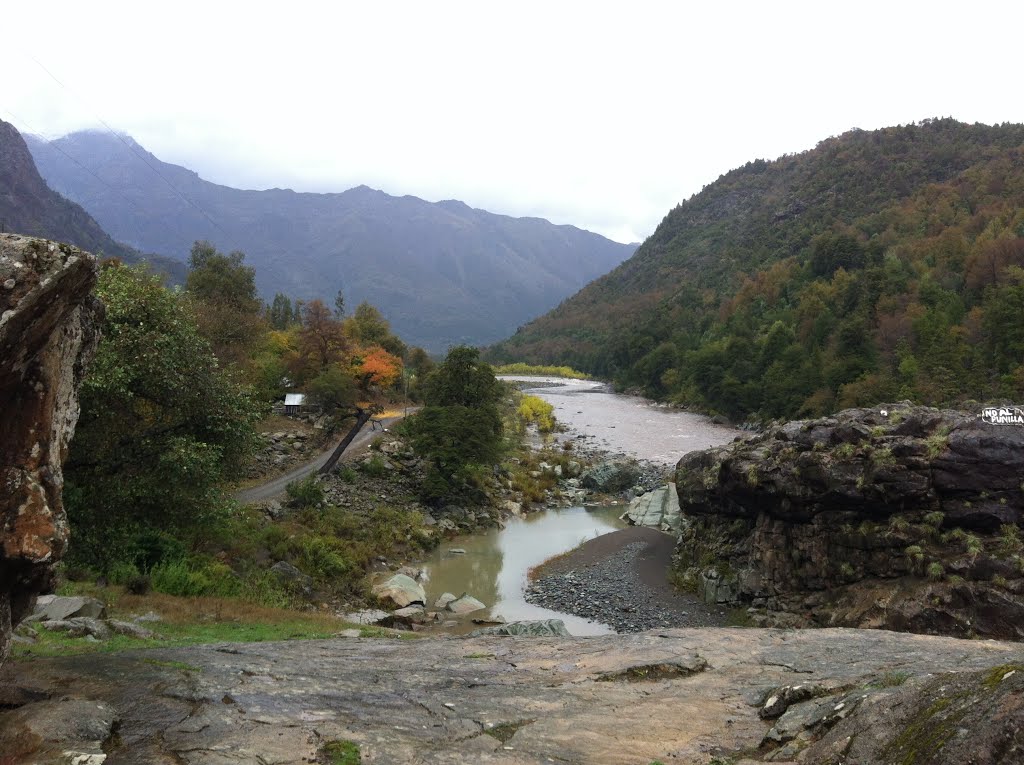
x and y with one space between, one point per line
29 206
443 273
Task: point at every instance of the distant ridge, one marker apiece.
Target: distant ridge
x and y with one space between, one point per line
442 273
29 206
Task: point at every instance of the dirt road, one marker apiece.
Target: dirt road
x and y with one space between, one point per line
276 487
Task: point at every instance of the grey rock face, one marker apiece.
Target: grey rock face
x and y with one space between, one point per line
48 334
539 628
611 477
910 520
658 509
685 695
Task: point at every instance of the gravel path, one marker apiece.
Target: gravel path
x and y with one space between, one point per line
620 579
276 486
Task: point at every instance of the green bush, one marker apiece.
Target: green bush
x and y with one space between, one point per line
375 467
192 579
306 492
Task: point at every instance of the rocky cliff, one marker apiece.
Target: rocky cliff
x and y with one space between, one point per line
48 332
899 517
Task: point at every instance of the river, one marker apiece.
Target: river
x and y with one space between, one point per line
493 566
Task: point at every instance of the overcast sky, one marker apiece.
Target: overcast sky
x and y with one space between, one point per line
602 115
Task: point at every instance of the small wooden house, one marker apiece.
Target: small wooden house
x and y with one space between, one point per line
294 403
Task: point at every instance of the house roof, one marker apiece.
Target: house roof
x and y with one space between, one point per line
294 399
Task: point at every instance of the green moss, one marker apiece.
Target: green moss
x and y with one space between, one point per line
995 675
342 753
890 680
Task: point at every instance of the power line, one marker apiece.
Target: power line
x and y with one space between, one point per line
131 148
53 145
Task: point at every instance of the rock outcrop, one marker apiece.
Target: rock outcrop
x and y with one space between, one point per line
900 517
48 333
680 696
658 509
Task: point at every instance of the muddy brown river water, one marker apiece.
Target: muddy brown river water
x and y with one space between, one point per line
493 567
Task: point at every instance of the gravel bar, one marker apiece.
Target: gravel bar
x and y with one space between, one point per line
620 579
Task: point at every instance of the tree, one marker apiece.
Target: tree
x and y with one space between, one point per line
280 313
379 368
339 305
462 380
321 338
162 424
228 309
368 327
333 389
459 431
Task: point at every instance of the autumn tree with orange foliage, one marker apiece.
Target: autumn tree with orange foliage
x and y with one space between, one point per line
378 368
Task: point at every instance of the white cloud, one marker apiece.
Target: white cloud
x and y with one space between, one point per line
603 115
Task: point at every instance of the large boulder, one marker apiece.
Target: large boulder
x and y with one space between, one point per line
610 477
900 516
58 608
401 590
48 334
658 509
466 604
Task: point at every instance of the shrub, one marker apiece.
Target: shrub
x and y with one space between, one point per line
192 579
537 411
935 570
375 467
1010 542
934 519
306 492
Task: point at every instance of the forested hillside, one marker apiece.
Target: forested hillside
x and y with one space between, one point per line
879 265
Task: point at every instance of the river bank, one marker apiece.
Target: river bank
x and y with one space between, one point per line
621 579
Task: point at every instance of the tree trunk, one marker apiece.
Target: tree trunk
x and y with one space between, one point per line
362 418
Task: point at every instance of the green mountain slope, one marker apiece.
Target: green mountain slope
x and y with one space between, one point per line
29 206
443 273
878 265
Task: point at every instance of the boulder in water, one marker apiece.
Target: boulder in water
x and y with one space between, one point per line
401 590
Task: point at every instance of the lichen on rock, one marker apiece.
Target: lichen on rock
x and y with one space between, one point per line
48 333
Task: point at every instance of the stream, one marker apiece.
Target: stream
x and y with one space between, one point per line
493 566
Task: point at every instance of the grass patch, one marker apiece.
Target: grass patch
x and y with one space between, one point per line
195 621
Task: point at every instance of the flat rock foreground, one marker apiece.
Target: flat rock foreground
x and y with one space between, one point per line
715 695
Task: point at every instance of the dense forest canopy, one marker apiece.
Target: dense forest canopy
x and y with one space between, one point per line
880 265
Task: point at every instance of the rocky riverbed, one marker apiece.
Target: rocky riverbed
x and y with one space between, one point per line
620 579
